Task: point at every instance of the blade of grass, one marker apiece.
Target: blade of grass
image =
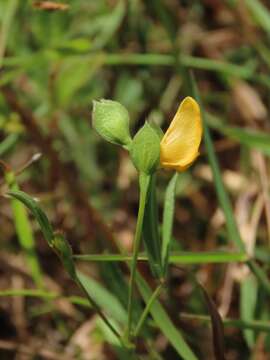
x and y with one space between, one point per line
39 215
8 143
254 325
237 71
191 258
150 231
248 301
24 232
104 298
260 13
167 224
223 196
245 71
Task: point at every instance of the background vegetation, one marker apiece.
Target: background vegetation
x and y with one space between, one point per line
54 61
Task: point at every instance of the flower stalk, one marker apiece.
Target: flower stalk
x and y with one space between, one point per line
144 181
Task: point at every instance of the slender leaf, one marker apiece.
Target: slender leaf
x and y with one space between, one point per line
248 301
174 258
40 216
217 326
103 298
260 13
167 225
24 231
254 325
150 230
224 200
8 143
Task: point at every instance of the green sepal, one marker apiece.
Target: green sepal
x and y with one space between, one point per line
145 149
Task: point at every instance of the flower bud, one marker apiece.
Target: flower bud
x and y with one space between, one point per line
145 149
111 121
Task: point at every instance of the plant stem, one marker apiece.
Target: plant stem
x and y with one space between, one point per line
144 181
255 325
147 309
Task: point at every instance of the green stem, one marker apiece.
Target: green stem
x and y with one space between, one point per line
147 308
144 184
255 325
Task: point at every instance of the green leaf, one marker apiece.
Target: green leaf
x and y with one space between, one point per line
8 143
150 230
40 216
167 225
24 231
183 257
109 24
248 301
228 322
103 298
244 71
74 73
164 322
217 325
260 13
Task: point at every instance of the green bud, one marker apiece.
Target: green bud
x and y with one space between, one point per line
111 121
145 149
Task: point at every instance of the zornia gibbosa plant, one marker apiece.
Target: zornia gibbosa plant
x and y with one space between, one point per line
151 150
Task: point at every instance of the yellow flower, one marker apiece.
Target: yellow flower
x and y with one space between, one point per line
179 146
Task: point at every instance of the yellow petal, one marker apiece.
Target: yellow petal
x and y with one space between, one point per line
180 144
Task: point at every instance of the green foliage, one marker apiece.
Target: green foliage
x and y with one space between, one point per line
167 224
56 63
24 231
150 230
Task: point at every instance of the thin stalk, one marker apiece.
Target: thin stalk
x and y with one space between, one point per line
147 308
184 60
255 325
144 181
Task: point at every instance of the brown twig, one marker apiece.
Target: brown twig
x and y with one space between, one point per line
88 215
